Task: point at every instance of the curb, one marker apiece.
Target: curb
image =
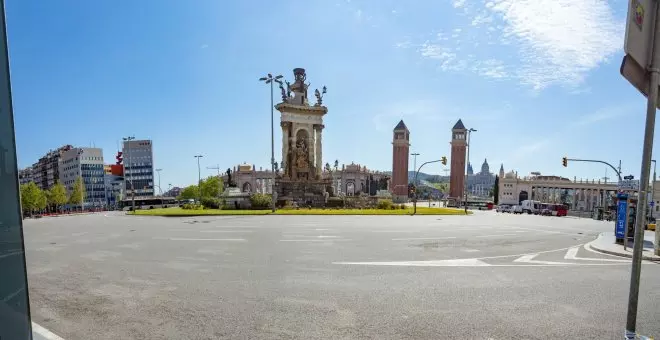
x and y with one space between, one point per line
610 252
40 333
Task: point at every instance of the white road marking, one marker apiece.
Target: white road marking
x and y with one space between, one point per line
316 240
435 263
48 335
206 239
321 229
423 238
497 235
571 254
529 259
226 231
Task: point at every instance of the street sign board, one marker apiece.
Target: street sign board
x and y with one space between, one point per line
621 217
636 76
629 184
629 177
639 31
637 44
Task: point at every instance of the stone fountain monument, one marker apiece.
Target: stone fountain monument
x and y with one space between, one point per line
301 179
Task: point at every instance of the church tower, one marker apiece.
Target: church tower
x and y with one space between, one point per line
458 151
400 156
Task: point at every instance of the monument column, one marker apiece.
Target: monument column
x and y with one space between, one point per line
318 154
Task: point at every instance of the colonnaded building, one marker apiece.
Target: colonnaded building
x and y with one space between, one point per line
580 194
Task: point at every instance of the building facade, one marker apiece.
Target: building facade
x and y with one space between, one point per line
25 176
481 183
458 152
584 195
350 180
85 163
138 168
400 157
45 172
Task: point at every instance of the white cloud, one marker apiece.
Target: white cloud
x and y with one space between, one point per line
605 114
540 43
204 46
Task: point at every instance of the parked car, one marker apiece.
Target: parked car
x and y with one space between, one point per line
507 209
500 208
546 212
516 209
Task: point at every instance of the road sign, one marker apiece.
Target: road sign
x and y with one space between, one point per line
637 45
639 31
629 184
621 216
629 177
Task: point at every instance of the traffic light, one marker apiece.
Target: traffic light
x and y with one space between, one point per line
444 160
564 161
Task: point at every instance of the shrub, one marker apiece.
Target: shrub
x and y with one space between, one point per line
385 204
190 206
335 202
402 206
211 203
260 201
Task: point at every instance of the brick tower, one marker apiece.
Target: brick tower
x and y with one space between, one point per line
458 149
400 155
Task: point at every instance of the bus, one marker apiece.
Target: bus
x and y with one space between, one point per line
148 203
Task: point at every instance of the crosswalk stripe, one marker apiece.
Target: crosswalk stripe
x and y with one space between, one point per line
529 259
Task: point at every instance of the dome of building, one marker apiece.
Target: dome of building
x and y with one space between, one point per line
485 169
510 175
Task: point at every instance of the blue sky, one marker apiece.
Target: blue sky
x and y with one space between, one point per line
539 79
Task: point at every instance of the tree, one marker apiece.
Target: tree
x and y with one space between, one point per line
496 189
78 192
211 186
30 197
57 195
189 192
42 200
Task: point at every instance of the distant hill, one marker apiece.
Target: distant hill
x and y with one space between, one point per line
424 177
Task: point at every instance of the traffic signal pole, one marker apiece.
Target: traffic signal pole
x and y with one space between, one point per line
618 173
444 160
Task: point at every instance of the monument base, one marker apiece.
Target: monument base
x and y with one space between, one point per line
312 193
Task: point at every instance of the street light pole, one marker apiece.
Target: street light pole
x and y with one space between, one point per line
465 191
414 154
128 140
199 179
656 246
159 188
269 79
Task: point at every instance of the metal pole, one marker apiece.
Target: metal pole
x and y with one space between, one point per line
272 150
640 221
159 188
415 180
199 179
465 193
657 235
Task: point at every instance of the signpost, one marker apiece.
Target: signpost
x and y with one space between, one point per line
621 217
629 184
641 67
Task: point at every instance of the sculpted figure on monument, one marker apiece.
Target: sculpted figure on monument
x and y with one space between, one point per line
301 154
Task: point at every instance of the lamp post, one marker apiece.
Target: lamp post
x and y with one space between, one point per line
269 79
465 191
199 179
414 154
127 143
159 188
656 246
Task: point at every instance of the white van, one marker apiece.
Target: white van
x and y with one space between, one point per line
531 207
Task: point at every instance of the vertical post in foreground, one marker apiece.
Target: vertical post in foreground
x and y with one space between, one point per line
640 221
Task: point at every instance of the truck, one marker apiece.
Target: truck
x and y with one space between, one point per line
531 207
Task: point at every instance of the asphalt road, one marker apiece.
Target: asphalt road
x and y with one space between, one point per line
485 276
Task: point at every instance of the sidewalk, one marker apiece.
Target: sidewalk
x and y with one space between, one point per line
605 244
